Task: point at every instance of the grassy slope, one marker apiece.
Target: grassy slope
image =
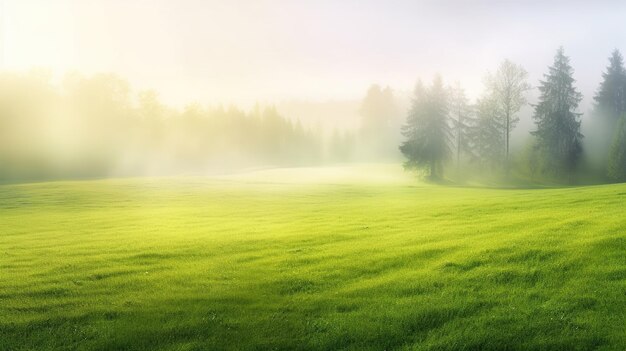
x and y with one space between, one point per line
343 259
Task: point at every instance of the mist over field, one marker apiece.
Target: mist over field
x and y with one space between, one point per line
312 175
100 88
92 93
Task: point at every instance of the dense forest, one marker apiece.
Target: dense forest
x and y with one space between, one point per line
97 126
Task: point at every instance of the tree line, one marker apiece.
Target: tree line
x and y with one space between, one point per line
96 126
442 126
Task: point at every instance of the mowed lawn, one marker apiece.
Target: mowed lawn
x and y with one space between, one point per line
345 258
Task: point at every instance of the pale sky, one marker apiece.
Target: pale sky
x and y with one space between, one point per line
234 51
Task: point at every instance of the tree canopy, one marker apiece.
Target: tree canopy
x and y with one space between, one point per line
426 130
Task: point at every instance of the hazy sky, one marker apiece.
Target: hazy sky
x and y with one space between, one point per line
242 51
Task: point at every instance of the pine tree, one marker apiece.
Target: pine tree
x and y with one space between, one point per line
611 96
610 106
426 130
558 124
617 154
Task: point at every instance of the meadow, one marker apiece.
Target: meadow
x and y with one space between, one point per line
338 258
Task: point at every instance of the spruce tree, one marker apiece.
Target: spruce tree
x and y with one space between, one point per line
611 96
610 107
558 124
426 130
617 154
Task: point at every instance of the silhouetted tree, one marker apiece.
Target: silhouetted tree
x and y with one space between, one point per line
486 133
610 106
617 155
558 124
611 96
426 130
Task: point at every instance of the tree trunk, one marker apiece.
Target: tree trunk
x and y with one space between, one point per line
506 158
458 148
433 170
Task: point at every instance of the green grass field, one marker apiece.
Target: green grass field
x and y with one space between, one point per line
361 258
